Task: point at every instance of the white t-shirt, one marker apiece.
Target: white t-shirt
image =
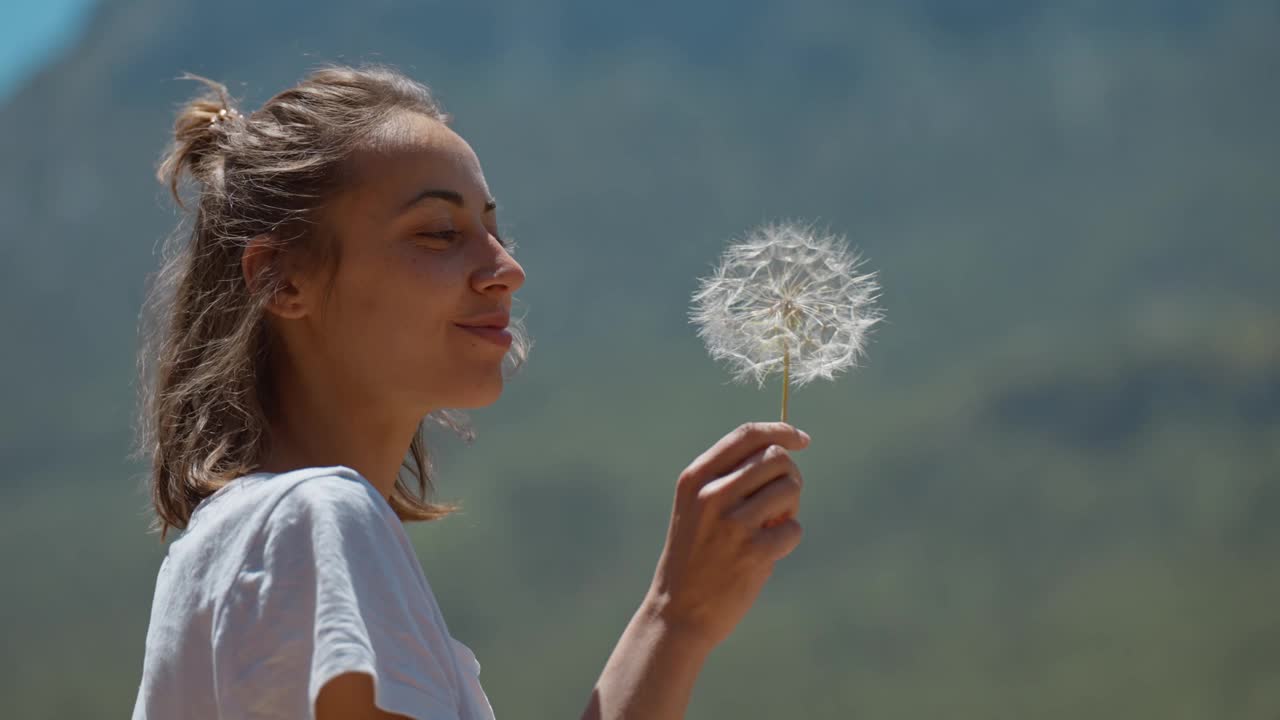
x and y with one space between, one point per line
283 581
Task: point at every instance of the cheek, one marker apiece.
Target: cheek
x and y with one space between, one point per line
428 289
398 308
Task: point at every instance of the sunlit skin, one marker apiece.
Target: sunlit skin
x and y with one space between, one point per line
420 256
359 369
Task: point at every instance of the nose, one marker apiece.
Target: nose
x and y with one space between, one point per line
504 276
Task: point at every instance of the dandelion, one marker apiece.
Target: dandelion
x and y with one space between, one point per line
787 300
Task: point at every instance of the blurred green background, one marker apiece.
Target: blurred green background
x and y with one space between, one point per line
1053 491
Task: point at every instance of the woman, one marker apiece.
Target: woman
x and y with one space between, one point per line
342 280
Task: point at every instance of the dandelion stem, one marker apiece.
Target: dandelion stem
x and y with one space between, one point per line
789 317
786 379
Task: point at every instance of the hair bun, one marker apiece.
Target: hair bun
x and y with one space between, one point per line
198 136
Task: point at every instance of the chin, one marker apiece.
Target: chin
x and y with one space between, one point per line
481 395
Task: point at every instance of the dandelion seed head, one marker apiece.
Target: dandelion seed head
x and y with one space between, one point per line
786 289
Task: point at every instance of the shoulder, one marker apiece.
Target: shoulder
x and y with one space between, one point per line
326 506
310 492
325 492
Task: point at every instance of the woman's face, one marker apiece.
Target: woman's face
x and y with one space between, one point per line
422 292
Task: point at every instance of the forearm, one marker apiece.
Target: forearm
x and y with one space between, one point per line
651 673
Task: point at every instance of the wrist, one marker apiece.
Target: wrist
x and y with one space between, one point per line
652 670
680 634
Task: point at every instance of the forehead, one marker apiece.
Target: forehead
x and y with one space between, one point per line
411 153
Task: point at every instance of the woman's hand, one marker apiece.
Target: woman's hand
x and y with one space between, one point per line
733 519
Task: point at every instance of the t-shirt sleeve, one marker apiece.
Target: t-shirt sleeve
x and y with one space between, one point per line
326 590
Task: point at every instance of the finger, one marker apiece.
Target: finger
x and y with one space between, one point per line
754 473
742 442
776 521
779 541
779 496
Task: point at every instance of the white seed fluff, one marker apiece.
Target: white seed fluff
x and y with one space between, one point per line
786 289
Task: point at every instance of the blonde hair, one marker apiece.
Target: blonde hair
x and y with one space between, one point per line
206 391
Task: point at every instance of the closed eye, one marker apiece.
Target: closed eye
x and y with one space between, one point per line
453 235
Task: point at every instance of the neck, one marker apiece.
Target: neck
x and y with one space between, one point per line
320 422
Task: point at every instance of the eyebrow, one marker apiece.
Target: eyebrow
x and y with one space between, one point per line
448 195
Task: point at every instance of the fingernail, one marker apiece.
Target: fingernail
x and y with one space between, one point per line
804 435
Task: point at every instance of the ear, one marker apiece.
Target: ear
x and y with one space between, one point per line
264 259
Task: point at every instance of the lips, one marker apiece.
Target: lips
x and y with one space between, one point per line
492 328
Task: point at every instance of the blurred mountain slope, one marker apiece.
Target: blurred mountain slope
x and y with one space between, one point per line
1050 494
